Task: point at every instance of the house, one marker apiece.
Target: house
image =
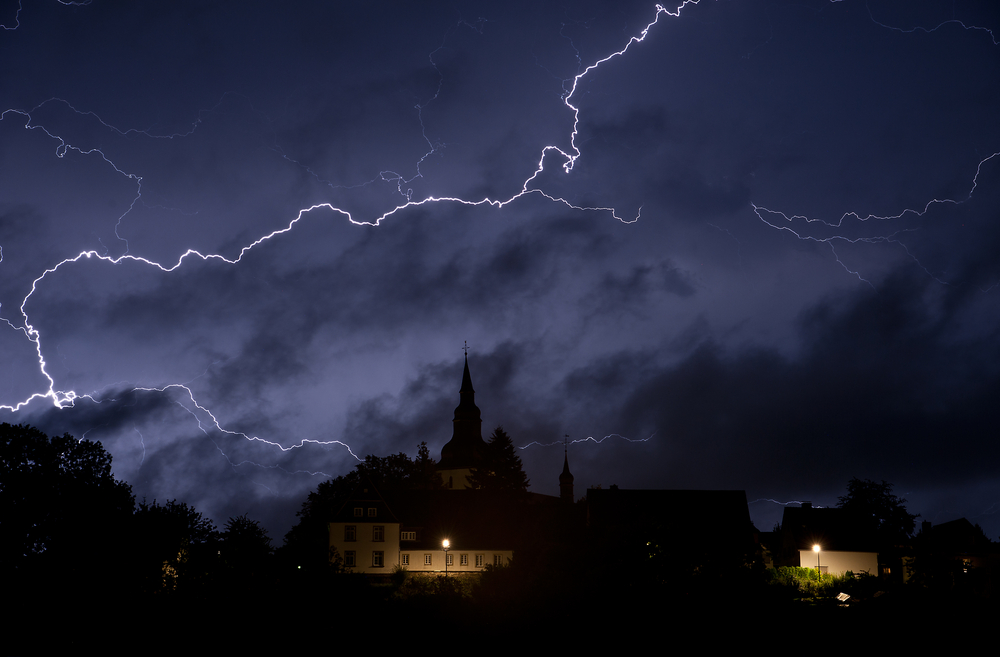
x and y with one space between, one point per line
374 535
835 539
954 554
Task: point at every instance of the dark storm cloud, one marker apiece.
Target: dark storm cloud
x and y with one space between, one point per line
661 151
747 355
633 289
880 385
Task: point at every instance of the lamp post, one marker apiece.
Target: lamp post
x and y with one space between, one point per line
816 550
446 544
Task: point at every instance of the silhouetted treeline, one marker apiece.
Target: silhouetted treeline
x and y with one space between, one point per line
77 552
68 527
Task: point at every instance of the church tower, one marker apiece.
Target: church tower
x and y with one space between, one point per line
566 480
464 452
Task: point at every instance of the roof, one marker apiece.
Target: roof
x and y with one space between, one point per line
955 536
365 497
469 519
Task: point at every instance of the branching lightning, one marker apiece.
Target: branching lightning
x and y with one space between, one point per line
67 398
205 419
777 217
781 221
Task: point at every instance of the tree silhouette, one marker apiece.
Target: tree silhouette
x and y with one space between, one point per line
501 469
874 501
245 541
173 546
62 510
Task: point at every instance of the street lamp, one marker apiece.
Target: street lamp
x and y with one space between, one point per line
446 544
816 550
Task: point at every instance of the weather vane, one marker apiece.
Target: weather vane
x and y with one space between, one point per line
466 348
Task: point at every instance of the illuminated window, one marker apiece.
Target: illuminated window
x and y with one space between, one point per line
497 559
371 512
449 559
350 533
464 560
349 559
404 560
479 561
357 512
378 533
427 559
378 559
408 536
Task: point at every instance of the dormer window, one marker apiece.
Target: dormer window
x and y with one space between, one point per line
357 512
371 512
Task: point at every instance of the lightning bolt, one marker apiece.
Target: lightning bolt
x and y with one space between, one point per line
567 158
67 398
935 28
17 21
783 222
589 439
768 499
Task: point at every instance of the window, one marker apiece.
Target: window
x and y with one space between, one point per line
449 559
371 512
407 536
378 559
350 533
464 560
479 561
404 560
497 559
357 512
427 559
378 533
349 559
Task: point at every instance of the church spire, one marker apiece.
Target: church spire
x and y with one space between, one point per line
464 451
467 379
566 478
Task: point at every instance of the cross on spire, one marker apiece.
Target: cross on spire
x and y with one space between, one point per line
466 348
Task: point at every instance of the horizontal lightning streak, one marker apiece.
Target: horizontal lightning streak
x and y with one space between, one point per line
773 219
588 439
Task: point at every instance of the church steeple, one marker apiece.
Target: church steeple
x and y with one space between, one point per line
464 451
468 422
566 478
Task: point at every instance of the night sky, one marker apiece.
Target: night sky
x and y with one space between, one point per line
243 243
